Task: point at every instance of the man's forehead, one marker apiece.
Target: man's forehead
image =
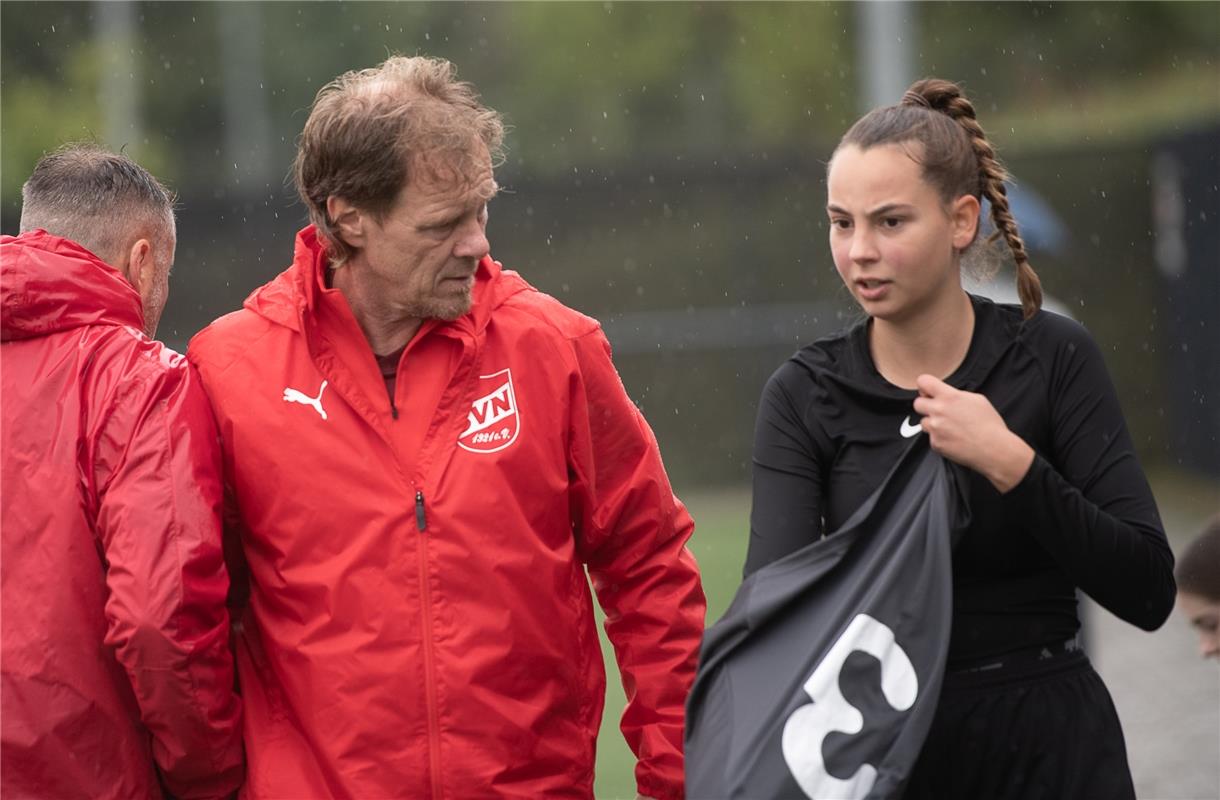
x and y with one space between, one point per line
455 172
483 187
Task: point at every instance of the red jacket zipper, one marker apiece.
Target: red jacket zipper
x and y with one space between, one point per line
434 759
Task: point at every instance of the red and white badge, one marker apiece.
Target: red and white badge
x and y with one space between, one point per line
493 422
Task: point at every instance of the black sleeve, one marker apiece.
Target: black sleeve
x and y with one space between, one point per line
787 510
1092 508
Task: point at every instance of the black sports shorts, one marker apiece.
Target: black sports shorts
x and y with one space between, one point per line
1041 730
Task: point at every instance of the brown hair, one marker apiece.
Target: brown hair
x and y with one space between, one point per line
101 200
1198 569
956 160
368 127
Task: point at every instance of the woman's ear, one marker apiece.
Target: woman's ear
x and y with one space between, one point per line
964 216
347 219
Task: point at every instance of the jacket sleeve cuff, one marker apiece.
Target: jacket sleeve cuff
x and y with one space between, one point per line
658 790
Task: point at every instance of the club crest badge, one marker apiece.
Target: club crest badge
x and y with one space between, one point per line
493 421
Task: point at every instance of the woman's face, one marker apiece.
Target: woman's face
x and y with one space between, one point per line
1204 616
895 244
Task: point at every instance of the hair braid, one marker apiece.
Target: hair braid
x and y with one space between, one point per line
947 98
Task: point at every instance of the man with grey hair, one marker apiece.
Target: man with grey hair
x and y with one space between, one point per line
116 678
426 455
112 206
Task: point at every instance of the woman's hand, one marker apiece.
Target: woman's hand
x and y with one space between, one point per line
964 427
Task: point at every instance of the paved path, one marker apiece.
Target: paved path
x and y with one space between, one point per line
1167 696
1169 702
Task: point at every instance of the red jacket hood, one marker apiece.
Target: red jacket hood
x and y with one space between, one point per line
49 284
293 294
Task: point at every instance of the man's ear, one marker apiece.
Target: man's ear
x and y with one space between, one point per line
141 267
964 214
348 220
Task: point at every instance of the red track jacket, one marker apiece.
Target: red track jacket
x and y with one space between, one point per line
111 571
419 620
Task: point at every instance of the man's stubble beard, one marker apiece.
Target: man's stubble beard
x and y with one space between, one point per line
446 310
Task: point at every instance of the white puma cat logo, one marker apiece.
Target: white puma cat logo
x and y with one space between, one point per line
294 396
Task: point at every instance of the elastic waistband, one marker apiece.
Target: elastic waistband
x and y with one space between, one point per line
1018 666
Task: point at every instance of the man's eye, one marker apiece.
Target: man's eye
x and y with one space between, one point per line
840 223
891 222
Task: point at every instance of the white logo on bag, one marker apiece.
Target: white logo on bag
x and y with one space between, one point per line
908 430
808 726
493 422
295 396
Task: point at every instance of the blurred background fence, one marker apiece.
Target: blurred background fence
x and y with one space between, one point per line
666 164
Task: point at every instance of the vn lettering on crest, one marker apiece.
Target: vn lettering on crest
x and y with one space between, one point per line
493 422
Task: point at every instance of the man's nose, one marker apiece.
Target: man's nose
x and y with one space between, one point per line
472 242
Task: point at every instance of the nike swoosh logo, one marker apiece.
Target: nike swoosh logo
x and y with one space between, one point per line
908 430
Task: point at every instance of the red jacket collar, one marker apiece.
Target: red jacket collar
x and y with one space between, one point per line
295 295
51 284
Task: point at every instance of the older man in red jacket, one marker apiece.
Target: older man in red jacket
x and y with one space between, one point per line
114 656
426 454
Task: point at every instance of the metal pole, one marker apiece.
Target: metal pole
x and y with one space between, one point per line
118 90
886 32
247 128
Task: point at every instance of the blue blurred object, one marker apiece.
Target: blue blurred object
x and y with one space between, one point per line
1041 228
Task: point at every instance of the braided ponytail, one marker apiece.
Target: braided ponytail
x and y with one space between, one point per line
947 98
957 160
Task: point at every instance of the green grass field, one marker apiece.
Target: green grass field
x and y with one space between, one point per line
719 544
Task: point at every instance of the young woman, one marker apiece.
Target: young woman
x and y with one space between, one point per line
1021 400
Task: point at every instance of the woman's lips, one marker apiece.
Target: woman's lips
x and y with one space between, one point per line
872 288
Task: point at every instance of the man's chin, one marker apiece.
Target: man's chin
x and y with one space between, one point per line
453 309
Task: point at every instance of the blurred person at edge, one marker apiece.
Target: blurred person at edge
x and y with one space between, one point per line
1020 399
1198 576
425 454
114 642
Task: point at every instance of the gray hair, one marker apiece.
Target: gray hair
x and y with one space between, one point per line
101 200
